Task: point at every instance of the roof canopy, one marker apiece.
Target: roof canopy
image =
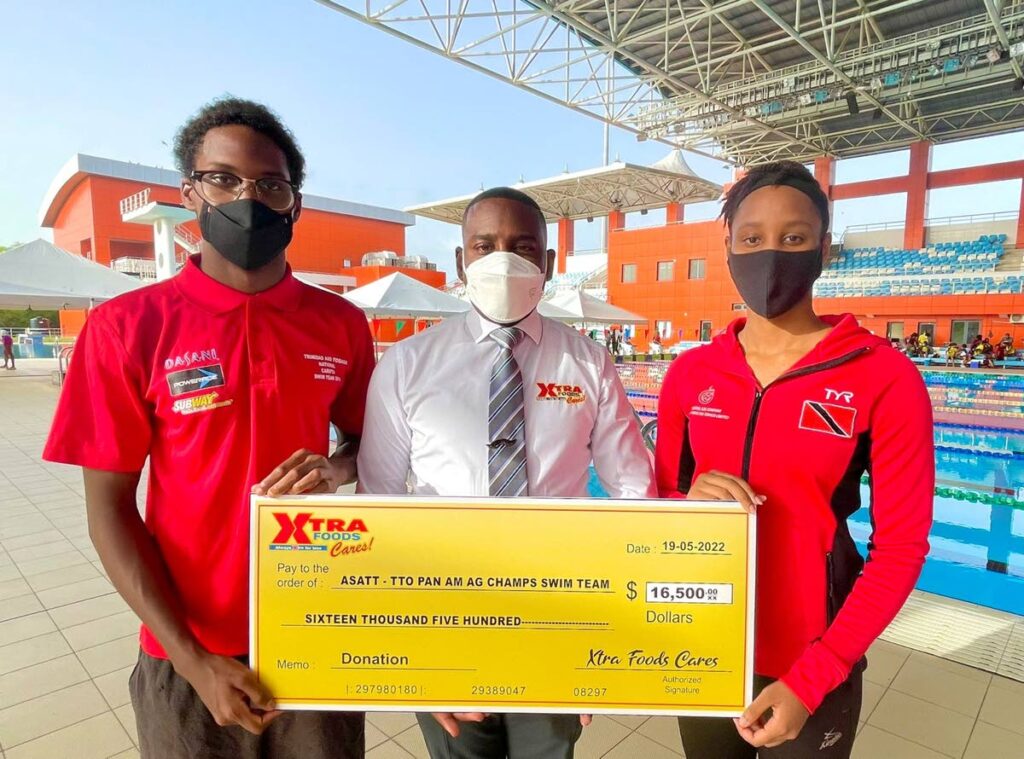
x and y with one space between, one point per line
596 192
587 308
38 274
398 296
745 80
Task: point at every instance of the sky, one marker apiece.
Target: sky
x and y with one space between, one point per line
379 120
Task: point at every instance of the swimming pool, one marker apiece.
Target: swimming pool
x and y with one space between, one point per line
977 546
977 538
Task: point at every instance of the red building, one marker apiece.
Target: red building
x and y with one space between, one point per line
947 279
84 208
89 199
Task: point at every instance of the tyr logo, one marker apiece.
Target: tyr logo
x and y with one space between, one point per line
838 395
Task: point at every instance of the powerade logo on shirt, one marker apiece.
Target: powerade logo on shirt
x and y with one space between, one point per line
306 532
191 380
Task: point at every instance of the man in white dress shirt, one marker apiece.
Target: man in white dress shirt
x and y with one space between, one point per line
501 402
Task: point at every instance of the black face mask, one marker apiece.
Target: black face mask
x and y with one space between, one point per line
246 232
771 282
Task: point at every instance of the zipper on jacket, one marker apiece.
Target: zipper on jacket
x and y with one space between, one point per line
748 443
830 596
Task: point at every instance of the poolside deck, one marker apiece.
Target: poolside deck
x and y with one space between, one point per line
68 642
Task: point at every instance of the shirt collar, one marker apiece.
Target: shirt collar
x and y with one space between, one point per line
480 328
216 297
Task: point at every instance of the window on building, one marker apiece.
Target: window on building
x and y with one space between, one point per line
739 306
697 267
927 328
894 330
666 271
628 273
705 331
964 331
664 330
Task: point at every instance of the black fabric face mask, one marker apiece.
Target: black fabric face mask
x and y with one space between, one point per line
771 282
246 232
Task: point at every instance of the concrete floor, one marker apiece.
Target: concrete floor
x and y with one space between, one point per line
68 642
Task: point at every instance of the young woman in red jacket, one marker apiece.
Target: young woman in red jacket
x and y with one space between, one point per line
784 412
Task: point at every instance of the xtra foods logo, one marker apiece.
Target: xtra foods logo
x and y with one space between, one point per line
552 391
306 532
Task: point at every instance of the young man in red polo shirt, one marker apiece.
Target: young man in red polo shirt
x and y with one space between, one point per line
227 377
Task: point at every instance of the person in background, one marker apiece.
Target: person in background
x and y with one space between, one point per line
1007 343
456 412
966 355
805 405
655 345
214 377
952 351
924 344
8 342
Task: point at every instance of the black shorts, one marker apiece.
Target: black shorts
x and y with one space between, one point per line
828 734
174 723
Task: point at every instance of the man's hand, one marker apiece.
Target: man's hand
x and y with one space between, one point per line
308 472
788 717
450 722
719 486
586 719
230 691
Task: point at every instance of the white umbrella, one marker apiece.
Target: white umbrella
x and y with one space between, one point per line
38 274
587 308
398 296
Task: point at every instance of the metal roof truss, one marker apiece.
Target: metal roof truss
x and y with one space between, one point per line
743 80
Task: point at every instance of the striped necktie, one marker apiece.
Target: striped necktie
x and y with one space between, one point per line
506 428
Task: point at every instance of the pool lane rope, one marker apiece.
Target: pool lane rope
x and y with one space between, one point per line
971 496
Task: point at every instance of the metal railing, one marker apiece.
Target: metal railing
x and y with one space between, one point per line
16 331
144 268
186 239
939 221
63 362
135 202
919 284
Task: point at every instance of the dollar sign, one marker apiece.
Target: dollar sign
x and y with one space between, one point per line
631 590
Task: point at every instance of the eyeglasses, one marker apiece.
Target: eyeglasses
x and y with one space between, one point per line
218 187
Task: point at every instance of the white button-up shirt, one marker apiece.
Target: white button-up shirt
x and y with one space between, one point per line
426 414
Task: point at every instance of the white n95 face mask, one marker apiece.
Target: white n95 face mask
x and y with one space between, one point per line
504 287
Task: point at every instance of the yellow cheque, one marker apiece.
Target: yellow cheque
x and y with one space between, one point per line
431 604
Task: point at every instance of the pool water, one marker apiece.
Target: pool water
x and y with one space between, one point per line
977 546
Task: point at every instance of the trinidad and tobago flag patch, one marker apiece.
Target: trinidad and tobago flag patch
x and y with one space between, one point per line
828 418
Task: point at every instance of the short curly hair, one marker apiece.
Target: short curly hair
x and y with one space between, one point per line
227 111
788 173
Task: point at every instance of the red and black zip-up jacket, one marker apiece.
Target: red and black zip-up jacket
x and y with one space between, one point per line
852 405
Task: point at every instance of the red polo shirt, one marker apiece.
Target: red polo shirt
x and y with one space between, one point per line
217 387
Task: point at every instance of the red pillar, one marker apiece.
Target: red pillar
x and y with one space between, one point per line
566 229
616 220
1020 218
674 213
825 173
917 195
